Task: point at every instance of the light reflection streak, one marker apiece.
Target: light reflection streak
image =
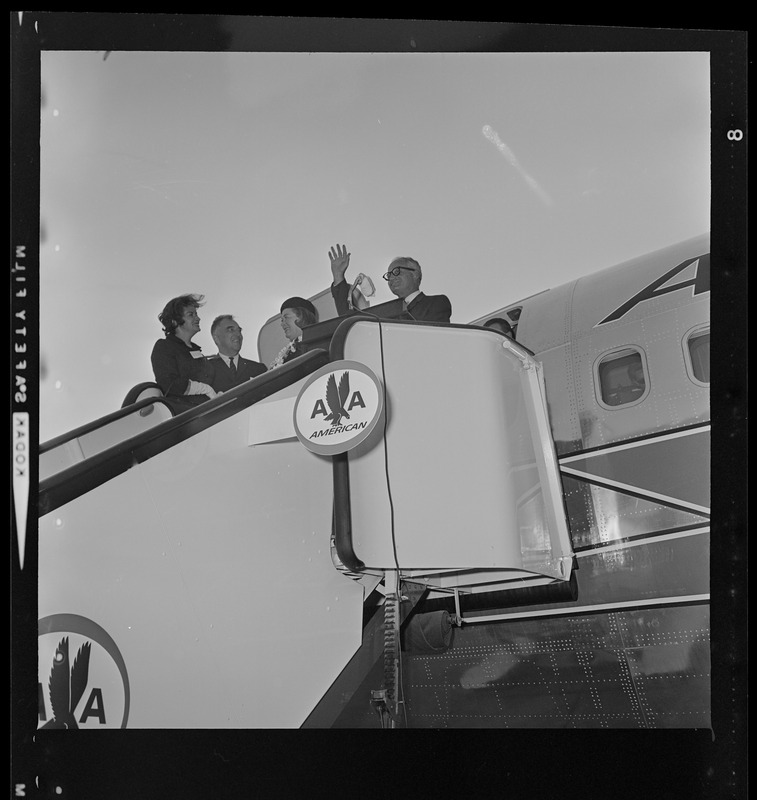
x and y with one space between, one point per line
493 137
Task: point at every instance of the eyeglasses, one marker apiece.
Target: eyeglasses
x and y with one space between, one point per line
395 272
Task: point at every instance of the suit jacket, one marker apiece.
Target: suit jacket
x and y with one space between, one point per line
424 307
222 378
430 308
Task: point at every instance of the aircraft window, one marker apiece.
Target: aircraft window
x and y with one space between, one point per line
622 379
699 353
513 314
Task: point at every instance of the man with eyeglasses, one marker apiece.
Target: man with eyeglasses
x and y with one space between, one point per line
404 278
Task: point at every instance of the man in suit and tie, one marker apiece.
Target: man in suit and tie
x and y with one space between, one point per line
404 278
229 368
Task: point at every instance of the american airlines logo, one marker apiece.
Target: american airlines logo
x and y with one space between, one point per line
82 678
338 407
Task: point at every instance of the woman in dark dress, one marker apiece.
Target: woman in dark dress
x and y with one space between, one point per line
181 370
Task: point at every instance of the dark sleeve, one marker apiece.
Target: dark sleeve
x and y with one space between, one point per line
339 293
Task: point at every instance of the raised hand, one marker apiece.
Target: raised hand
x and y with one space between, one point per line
340 260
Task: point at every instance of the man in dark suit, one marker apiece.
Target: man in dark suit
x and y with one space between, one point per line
404 278
229 368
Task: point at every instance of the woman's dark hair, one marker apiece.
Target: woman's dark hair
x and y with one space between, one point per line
173 314
305 317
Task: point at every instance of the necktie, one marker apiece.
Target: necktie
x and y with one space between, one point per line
233 367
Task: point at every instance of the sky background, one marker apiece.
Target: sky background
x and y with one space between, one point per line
231 174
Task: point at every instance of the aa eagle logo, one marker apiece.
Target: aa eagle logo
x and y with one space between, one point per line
337 397
67 684
80 689
340 399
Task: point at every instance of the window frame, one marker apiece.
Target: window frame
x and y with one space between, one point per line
514 321
625 350
693 333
